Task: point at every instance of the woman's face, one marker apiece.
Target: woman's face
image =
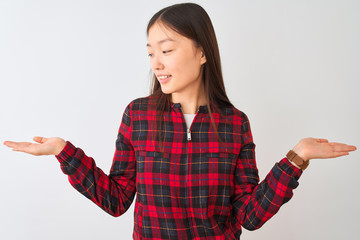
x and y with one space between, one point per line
175 60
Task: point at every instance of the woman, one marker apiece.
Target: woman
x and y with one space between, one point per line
185 150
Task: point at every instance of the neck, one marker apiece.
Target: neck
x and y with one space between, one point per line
190 101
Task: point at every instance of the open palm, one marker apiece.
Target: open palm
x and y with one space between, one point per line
44 146
310 148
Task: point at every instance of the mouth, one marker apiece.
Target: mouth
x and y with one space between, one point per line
164 78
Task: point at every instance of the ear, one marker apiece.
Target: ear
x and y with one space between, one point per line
202 57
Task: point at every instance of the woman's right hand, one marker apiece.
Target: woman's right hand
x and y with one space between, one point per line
44 146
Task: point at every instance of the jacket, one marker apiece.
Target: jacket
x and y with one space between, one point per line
196 188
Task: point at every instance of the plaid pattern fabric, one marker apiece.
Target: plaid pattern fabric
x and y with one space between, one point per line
196 188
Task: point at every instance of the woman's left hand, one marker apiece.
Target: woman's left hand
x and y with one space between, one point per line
310 148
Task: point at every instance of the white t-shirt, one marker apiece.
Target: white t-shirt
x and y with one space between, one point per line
189 119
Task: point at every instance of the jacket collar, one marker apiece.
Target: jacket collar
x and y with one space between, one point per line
201 109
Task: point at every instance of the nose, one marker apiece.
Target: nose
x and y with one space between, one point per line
156 63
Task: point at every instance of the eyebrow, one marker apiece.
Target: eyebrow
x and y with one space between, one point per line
162 41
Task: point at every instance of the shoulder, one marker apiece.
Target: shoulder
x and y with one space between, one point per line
235 121
142 103
232 114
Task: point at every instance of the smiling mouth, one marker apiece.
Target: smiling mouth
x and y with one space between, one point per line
164 78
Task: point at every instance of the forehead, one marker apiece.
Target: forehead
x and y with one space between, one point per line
160 33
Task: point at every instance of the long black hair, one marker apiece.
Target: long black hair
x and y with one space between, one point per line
191 21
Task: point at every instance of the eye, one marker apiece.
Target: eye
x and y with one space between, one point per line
150 54
164 52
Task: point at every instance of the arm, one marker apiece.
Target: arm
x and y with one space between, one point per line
254 203
113 193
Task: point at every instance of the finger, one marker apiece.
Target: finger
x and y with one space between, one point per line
20 146
39 139
341 147
11 144
22 150
334 155
25 147
339 154
322 140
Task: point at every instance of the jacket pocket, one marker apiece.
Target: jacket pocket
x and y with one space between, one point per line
215 174
138 219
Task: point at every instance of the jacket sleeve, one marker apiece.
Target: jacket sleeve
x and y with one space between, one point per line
253 203
115 192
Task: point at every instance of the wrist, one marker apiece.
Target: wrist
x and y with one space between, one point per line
296 160
299 151
59 147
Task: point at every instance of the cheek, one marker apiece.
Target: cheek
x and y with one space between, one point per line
192 69
192 62
184 65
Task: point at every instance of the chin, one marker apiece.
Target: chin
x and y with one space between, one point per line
166 90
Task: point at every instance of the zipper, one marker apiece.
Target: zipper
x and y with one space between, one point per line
188 133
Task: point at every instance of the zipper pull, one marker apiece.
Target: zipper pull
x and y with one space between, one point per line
188 135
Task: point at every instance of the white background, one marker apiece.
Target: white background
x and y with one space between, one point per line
69 68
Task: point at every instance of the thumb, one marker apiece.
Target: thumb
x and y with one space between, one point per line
40 139
321 140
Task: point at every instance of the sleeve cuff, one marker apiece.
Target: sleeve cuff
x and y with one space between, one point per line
290 169
67 153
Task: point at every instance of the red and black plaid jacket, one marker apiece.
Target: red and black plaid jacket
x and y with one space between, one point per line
194 189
